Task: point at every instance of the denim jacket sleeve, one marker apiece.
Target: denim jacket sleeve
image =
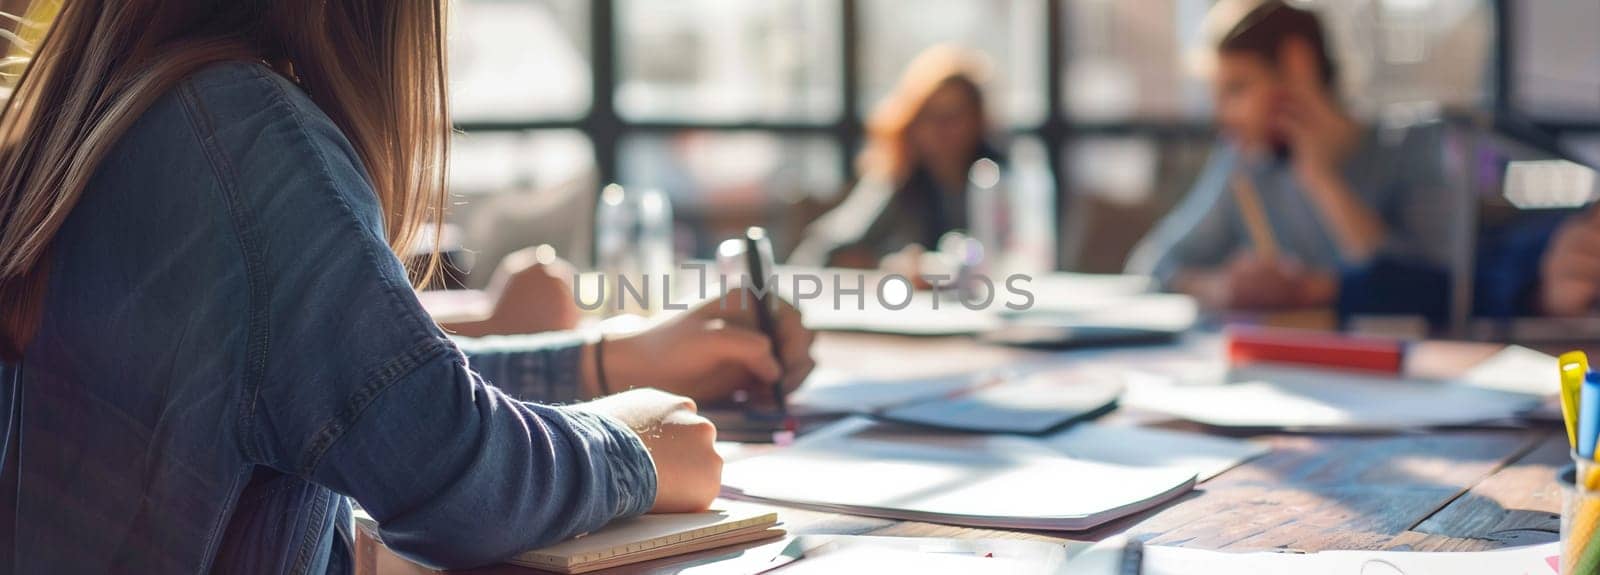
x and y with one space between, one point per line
534 367
347 380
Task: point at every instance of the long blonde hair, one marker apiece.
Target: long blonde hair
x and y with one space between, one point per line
376 67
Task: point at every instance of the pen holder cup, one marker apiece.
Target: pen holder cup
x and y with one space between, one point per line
1580 517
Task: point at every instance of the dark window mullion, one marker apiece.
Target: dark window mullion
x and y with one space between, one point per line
604 126
1501 93
1056 129
848 128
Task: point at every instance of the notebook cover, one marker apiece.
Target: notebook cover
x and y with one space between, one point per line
647 537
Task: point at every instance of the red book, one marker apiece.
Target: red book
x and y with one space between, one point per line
1252 345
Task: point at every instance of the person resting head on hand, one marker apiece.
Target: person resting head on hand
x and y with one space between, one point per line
1296 192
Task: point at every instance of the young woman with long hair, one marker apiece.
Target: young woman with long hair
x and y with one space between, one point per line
209 345
921 142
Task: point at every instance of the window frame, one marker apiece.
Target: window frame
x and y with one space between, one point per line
607 128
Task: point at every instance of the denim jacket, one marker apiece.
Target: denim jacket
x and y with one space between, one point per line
230 353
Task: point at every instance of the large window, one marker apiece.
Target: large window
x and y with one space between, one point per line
1556 68
1009 35
750 112
1127 60
728 60
1400 52
519 60
721 181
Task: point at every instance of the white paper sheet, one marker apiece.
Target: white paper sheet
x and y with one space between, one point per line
838 391
972 480
1529 560
925 314
1204 456
1299 398
1143 447
1086 299
1028 399
1517 369
1154 311
889 560
851 554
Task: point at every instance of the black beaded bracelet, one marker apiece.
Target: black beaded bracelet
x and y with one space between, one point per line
600 366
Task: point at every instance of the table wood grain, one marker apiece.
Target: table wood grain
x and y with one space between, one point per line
1450 490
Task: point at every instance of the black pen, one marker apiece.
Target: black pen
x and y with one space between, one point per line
758 254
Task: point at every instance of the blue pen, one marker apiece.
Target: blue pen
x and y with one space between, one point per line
1589 414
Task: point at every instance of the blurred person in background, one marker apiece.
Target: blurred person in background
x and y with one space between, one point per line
1544 266
922 140
1569 268
1336 197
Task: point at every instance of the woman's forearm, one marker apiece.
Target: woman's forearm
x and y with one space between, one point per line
552 367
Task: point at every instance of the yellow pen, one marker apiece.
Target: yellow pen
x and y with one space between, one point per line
1574 366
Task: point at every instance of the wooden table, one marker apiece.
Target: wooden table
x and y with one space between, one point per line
1458 490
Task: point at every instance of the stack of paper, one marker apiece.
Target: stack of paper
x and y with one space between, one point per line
1005 482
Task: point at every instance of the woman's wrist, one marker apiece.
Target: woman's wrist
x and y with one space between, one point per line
588 371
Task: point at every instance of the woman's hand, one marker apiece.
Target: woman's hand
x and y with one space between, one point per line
1569 273
688 469
712 351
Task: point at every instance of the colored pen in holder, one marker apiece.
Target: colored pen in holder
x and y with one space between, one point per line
1580 517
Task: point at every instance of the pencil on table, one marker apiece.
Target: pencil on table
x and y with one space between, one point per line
1255 218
